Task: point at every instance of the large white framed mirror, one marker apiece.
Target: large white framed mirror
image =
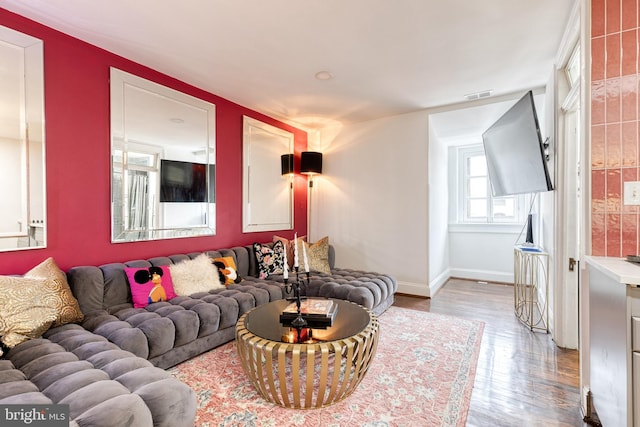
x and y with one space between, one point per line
162 161
267 195
23 222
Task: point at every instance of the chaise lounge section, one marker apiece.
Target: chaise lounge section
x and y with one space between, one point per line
102 384
374 291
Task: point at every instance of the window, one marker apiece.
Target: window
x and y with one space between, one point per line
476 204
135 171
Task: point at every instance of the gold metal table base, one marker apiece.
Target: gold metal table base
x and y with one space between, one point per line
531 288
305 376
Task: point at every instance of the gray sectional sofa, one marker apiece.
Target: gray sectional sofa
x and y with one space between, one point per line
110 368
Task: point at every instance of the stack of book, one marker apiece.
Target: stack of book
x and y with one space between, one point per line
318 313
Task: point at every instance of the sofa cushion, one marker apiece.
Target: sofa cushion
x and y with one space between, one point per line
147 287
65 303
116 293
195 275
245 261
87 285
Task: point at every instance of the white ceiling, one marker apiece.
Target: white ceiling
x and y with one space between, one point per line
465 125
386 57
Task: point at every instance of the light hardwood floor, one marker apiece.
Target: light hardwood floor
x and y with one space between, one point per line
522 377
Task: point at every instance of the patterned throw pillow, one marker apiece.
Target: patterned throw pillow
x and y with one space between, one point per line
270 260
227 270
144 290
289 246
27 308
194 275
317 255
62 300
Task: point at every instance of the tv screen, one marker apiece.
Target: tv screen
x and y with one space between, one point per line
183 181
514 150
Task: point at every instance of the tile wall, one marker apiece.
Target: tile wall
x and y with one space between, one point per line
614 125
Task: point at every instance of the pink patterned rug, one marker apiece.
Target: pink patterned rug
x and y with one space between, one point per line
422 375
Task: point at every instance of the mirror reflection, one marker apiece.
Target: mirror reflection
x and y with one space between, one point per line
267 195
162 161
22 153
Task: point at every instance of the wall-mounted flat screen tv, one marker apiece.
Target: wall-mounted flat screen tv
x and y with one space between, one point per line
515 153
185 182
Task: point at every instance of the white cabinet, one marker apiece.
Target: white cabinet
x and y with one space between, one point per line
614 340
633 305
636 386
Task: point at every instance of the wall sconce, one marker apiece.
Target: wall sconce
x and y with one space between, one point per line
311 164
286 164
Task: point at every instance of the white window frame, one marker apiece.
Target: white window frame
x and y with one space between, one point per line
521 205
154 181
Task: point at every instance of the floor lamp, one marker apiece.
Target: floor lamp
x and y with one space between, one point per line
310 164
286 164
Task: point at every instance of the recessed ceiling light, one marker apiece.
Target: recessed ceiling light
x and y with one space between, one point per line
177 120
324 75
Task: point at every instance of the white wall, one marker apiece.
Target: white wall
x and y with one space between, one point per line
482 254
371 199
384 200
438 212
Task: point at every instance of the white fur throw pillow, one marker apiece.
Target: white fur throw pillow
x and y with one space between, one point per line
194 275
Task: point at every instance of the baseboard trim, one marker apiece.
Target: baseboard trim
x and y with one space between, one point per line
412 288
436 284
430 289
485 275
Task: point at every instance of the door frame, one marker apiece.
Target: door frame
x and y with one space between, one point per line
569 192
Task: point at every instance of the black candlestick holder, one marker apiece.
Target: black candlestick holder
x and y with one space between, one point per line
299 322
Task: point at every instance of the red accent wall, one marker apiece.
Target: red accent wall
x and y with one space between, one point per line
614 125
78 160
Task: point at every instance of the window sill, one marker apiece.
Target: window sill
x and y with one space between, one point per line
495 228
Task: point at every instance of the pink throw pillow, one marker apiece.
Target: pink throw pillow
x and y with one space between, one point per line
147 292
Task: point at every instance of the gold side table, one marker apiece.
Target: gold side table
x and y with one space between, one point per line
307 375
531 287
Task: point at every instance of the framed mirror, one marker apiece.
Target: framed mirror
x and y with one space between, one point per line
267 195
162 162
22 151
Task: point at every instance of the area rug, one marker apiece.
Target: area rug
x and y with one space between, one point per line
422 375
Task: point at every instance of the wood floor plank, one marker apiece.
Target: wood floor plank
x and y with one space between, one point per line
522 377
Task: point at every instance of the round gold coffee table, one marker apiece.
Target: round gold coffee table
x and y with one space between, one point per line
307 375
